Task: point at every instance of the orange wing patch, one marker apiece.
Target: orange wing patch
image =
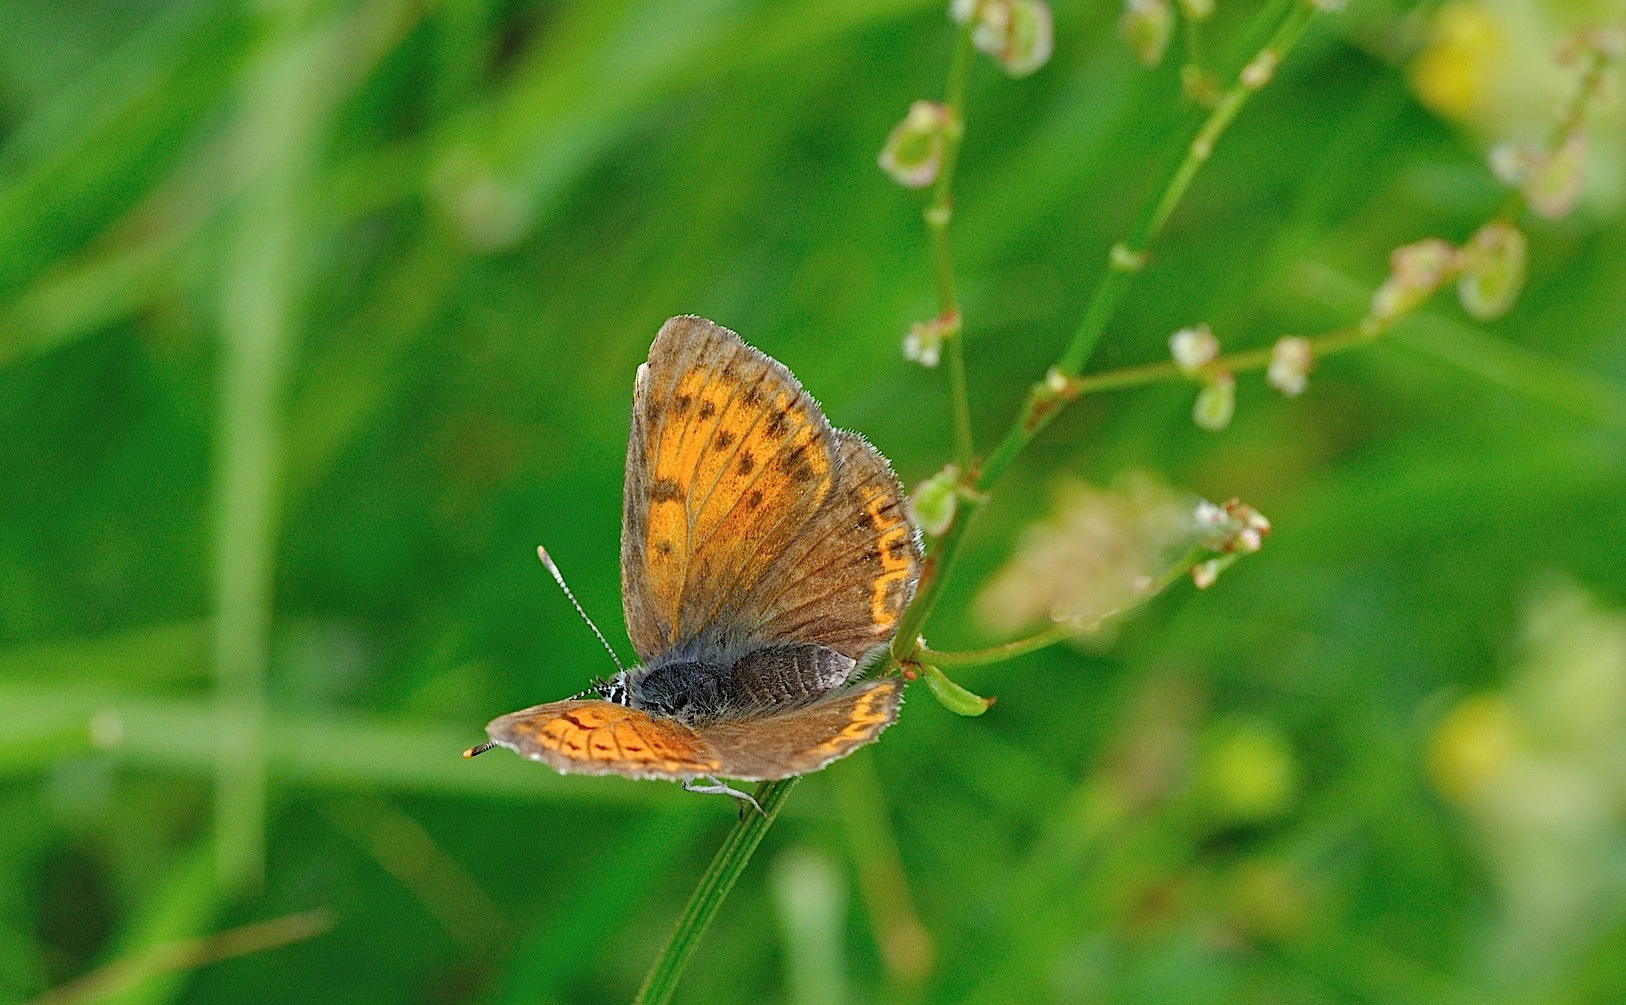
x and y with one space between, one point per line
871 712
894 538
602 738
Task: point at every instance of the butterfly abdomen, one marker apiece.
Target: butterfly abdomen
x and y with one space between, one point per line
773 677
787 676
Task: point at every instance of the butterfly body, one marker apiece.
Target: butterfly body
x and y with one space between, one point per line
763 555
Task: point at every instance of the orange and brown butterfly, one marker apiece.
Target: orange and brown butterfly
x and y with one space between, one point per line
764 554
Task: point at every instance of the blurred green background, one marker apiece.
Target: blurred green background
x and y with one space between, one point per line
315 319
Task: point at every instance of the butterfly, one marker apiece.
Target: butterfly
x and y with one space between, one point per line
764 555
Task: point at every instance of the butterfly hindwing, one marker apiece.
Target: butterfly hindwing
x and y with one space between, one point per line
807 738
845 580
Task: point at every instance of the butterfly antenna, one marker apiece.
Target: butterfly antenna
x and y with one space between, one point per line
553 570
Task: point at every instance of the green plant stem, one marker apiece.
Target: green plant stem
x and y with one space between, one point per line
719 878
1290 18
1323 345
938 215
1061 631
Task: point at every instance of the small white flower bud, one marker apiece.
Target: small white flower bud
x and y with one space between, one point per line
1193 348
913 154
1415 272
1291 359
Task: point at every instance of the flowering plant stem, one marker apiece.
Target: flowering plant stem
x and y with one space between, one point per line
1290 18
719 878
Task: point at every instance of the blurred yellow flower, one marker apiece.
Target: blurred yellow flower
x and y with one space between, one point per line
1465 44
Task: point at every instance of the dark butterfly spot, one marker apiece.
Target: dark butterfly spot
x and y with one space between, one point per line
664 547
872 554
707 409
896 553
752 396
680 403
776 424
665 490
754 499
793 459
725 439
747 464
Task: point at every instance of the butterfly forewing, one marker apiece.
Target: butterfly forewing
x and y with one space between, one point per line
602 738
727 462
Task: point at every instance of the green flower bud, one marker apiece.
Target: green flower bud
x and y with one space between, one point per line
1216 403
1016 33
1556 178
934 501
913 153
951 695
1493 270
1146 26
1197 10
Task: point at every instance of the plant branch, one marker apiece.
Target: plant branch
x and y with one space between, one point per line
1127 258
1326 344
1044 399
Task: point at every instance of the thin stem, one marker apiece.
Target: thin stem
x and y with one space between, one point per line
905 945
725 868
188 954
1061 631
938 215
1323 345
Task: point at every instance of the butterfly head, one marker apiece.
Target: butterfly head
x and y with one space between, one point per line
612 689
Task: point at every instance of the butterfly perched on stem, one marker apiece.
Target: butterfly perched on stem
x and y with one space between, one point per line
764 555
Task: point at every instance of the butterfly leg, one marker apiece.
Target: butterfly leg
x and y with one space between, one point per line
713 787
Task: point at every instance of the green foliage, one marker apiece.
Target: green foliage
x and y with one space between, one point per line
315 321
